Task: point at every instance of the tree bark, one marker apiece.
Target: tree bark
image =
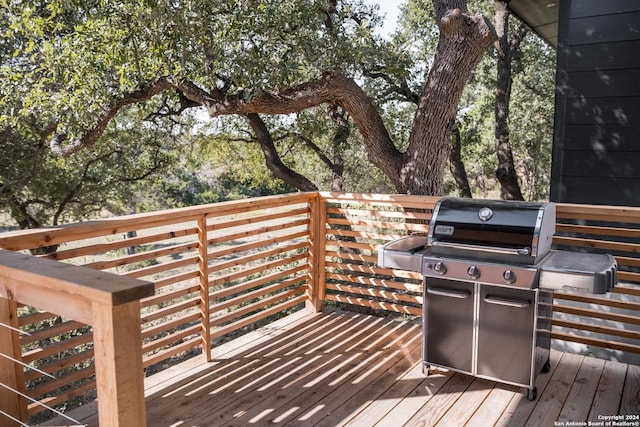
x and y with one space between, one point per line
505 48
338 145
456 165
339 140
463 40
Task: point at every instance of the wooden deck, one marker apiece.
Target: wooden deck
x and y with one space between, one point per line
338 368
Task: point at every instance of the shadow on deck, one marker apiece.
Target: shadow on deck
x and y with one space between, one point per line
339 368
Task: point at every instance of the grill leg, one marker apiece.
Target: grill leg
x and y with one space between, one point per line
532 394
426 370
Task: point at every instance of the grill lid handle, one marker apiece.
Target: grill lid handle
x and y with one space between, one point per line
481 248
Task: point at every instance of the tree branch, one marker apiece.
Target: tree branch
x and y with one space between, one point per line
331 87
272 159
517 38
57 143
401 89
20 213
76 189
313 146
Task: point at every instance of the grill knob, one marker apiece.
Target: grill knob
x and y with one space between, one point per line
440 268
473 272
509 277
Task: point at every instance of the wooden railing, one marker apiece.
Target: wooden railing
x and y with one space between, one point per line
215 269
608 324
223 268
107 302
357 224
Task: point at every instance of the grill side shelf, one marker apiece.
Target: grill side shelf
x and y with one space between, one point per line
404 254
578 272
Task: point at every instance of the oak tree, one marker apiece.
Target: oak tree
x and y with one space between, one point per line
247 58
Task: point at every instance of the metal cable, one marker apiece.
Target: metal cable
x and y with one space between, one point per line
26 365
13 419
32 400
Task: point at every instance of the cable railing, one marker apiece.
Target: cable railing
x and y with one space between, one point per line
45 406
8 416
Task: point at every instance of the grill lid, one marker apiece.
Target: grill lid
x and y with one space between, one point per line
498 230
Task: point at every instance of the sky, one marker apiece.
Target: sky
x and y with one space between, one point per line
390 10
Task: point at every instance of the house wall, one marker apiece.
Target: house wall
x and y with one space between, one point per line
596 156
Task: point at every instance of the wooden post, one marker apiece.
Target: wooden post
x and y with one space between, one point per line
107 302
11 373
203 267
317 237
118 363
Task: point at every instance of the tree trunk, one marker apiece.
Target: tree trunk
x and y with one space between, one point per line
338 144
456 165
506 171
339 139
463 40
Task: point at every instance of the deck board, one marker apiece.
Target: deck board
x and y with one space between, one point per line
460 412
583 390
607 398
346 369
403 411
520 408
433 410
630 404
555 393
493 406
376 408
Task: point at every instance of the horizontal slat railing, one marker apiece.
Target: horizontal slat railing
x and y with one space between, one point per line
220 268
257 267
603 325
356 226
358 223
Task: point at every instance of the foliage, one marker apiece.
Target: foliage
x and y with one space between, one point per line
235 158
39 188
197 180
66 65
530 121
86 62
90 53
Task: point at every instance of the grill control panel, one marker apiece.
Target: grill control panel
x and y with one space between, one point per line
484 272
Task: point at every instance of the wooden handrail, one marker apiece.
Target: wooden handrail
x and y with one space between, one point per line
42 237
108 302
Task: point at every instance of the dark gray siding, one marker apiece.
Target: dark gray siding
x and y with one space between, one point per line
596 155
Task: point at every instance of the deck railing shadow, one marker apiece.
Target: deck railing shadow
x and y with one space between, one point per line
289 377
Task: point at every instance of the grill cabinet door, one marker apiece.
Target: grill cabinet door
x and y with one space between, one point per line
448 324
506 321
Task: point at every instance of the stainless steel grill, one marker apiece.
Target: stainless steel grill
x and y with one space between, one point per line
489 277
